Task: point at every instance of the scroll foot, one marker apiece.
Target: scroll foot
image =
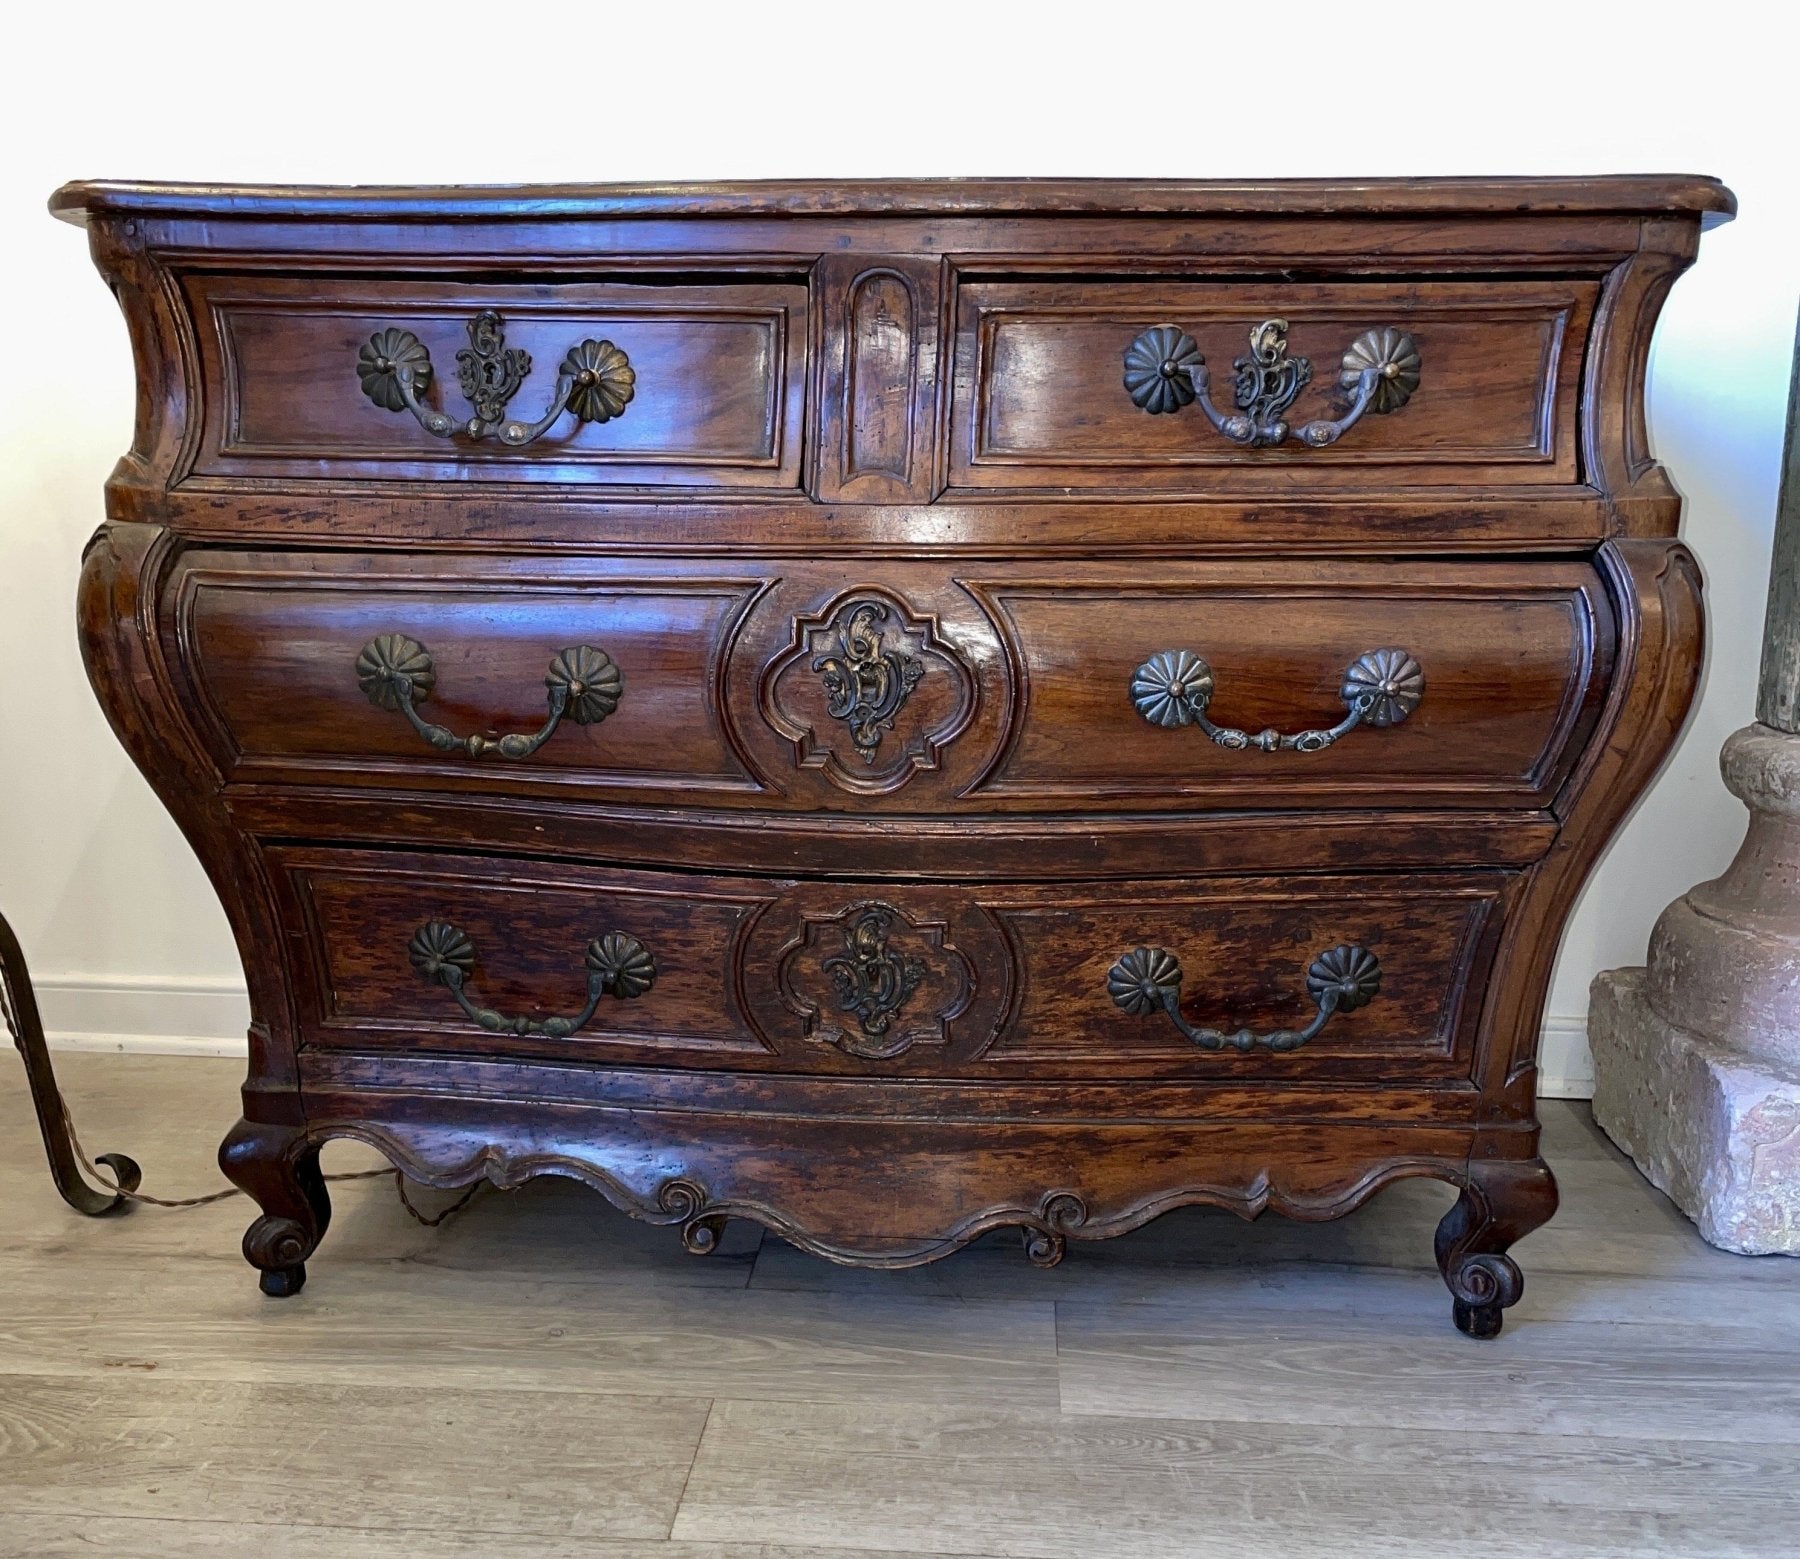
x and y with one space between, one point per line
279 1169
1501 1202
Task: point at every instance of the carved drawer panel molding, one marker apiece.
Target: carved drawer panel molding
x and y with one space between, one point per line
370 927
879 379
1324 685
1246 950
874 982
298 662
668 385
869 692
1479 383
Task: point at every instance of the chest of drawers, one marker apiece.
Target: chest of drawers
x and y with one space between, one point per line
903 710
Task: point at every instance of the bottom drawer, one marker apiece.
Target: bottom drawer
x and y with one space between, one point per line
1361 977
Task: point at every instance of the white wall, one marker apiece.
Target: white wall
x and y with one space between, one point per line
120 923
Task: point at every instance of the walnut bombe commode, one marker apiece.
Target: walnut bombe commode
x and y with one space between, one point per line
891 739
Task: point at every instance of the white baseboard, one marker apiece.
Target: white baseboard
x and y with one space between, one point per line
144 1016
147 1044
1565 1065
150 1017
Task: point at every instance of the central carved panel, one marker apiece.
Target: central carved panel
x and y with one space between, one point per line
868 692
874 982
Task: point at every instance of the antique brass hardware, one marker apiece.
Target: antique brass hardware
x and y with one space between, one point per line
1380 687
396 672
866 684
615 962
1339 980
1165 371
873 980
595 381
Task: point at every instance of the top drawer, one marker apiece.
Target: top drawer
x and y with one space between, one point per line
677 385
1103 386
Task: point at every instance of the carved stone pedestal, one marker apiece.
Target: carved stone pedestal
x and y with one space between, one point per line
1697 1056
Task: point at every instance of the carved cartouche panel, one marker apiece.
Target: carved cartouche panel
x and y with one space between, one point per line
873 981
868 691
834 976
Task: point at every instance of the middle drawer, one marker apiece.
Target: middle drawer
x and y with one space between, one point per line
863 686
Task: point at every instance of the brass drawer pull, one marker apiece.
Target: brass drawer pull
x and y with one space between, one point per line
1164 371
615 962
1381 687
396 672
595 381
1340 980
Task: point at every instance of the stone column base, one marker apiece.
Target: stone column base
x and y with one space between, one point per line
1717 1131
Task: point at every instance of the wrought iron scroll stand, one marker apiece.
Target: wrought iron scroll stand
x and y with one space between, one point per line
19 1015
19 1011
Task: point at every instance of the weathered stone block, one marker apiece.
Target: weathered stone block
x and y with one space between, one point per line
1716 1130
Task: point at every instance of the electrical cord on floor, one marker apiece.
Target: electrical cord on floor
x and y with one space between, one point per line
111 1186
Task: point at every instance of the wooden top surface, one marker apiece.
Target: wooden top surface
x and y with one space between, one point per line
1622 193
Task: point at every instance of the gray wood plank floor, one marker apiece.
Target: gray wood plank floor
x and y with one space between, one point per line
542 1376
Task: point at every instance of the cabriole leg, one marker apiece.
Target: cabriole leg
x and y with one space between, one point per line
1502 1201
279 1168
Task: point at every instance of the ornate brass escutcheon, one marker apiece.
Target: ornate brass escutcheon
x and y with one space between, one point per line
595 381
873 981
865 684
1165 371
1148 979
